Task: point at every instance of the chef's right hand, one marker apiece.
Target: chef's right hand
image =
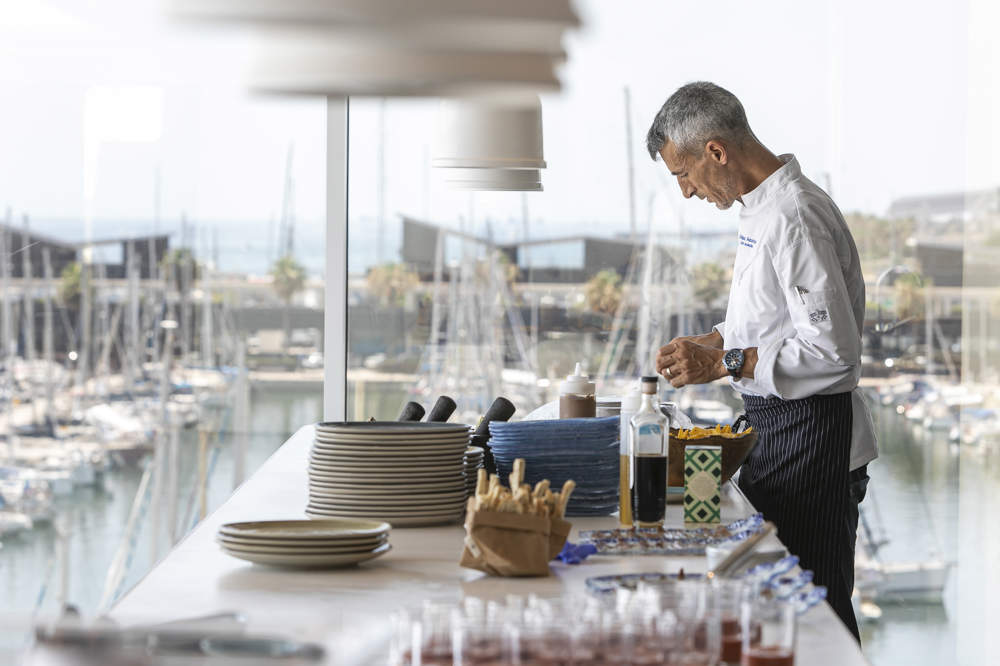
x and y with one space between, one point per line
712 339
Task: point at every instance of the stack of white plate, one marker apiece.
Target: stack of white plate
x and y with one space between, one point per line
404 473
473 461
305 543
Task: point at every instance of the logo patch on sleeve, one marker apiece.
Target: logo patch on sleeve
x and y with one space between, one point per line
816 316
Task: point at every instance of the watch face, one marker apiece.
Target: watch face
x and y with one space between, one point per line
733 359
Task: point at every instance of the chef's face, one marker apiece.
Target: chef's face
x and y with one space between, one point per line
708 175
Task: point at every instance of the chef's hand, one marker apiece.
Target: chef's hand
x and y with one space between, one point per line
683 361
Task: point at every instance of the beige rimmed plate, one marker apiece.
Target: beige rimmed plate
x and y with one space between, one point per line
379 503
375 507
408 521
368 428
414 465
389 489
353 458
367 446
298 560
362 453
379 476
386 513
382 451
305 529
382 469
393 437
367 542
299 550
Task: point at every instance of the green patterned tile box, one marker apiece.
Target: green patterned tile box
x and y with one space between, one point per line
702 477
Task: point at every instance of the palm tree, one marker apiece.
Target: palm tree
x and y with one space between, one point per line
287 277
603 292
69 285
710 282
910 296
390 283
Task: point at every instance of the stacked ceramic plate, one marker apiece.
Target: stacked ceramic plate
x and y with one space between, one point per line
403 473
473 461
585 450
305 543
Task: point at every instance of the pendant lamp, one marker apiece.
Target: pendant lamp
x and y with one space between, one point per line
490 145
494 180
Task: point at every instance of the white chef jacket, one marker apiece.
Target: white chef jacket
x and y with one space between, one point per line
798 295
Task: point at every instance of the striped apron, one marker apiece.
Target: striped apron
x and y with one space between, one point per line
798 476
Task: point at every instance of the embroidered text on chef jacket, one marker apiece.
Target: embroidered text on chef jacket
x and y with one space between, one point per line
798 295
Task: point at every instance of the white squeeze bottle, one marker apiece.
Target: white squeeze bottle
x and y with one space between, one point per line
630 405
577 396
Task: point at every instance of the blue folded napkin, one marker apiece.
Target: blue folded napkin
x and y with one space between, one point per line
573 553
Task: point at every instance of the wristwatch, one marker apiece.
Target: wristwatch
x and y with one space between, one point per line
733 362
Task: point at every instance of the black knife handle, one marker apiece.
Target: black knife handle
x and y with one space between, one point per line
412 411
501 410
442 410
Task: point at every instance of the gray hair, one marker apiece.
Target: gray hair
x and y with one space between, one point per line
694 115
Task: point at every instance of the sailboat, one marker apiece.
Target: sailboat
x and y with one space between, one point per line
878 581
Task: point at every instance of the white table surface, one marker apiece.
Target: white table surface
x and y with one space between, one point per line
347 606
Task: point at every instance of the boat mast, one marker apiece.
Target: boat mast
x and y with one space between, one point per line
6 332
48 345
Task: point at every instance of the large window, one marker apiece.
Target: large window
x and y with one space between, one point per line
484 294
162 260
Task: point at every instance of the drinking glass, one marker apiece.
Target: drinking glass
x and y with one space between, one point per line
728 595
769 627
433 634
695 639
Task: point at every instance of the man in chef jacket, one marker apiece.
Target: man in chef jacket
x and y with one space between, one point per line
791 341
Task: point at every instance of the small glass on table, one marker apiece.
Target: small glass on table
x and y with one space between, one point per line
769 627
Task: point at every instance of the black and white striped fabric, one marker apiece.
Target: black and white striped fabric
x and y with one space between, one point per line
798 477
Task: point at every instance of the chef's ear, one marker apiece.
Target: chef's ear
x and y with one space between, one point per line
716 152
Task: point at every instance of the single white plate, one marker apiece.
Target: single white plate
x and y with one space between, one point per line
401 440
389 489
413 466
305 529
382 451
377 511
378 504
395 503
393 460
359 482
310 561
421 521
368 428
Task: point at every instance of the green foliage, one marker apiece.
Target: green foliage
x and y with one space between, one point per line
172 268
603 292
288 277
390 283
877 237
69 285
710 282
910 296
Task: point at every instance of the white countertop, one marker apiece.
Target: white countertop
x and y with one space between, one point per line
197 578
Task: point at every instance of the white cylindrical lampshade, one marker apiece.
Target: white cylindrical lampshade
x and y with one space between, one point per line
495 180
479 134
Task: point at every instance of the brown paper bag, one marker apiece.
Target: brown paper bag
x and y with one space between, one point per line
506 544
558 533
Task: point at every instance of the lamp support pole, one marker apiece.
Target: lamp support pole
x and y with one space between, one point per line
335 299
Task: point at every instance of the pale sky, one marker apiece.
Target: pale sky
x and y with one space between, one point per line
873 96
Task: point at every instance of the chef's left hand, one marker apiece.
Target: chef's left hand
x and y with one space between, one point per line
684 362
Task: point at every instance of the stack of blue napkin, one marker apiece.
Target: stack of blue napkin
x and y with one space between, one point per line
585 450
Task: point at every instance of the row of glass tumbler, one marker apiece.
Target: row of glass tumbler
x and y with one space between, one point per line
689 622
